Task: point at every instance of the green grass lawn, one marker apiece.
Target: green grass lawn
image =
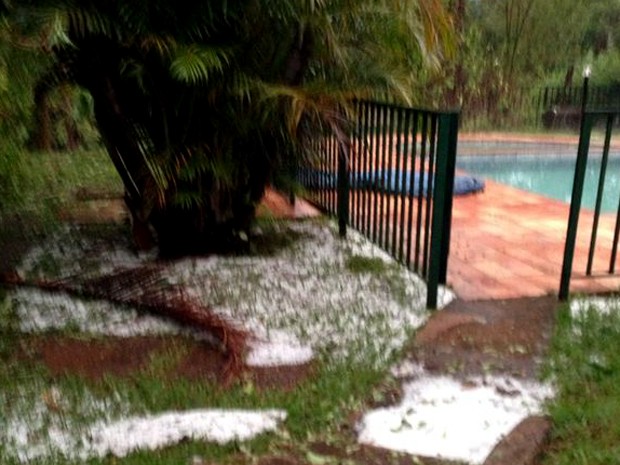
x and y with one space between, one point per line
317 410
585 362
34 187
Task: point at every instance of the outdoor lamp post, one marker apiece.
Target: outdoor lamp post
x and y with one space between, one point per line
587 71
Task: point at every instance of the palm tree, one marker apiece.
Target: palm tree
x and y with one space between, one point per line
202 104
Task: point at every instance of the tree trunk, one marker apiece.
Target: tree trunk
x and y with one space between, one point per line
455 95
72 133
42 137
130 123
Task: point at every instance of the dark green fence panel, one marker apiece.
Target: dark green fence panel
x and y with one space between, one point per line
590 120
392 180
560 107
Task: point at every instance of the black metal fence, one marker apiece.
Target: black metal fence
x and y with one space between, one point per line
392 179
551 107
590 119
560 107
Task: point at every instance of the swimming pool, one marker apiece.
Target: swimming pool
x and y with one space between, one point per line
548 174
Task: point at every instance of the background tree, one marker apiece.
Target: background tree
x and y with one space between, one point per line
507 49
202 104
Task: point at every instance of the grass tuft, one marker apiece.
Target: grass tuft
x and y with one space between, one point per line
585 365
361 264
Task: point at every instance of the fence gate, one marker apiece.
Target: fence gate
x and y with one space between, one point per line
605 252
392 181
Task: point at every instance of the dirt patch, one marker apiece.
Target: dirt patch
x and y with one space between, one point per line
523 445
500 336
322 452
94 359
510 337
368 455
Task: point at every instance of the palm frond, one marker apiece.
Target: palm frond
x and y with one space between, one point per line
195 64
55 31
163 45
84 22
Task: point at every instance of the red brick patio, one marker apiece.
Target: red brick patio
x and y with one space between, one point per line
508 243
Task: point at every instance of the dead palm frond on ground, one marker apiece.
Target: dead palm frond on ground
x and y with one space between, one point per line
146 290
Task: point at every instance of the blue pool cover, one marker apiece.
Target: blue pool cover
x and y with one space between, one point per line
390 181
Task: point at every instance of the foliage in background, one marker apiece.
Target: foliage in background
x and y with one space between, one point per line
29 181
36 185
19 67
606 68
510 48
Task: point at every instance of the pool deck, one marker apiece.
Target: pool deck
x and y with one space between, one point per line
508 243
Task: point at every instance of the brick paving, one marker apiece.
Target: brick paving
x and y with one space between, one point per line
508 243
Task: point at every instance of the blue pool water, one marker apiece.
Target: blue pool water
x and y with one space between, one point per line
548 174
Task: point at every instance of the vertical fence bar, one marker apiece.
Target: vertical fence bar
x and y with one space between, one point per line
333 167
366 171
323 173
376 164
402 192
397 185
599 195
352 166
383 174
320 177
614 245
442 203
344 151
389 192
316 170
420 196
538 108
575 205
411 170
429 178
328 175
357 143
450 168
369 171
375 174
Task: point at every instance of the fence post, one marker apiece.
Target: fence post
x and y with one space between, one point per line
343 187
447 217
442 204
575 204
599 194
